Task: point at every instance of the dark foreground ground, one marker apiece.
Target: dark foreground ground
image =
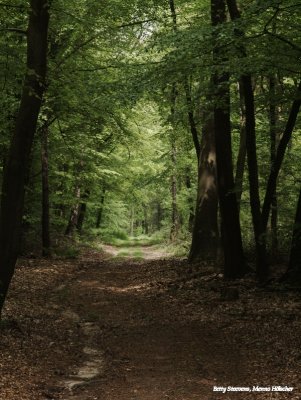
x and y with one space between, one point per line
105 328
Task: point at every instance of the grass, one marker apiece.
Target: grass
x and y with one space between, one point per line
139 241
137 254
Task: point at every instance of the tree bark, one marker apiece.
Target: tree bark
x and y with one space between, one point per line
258 226
259 229
174 206
273 118
82 212
294 267
242 152
13 187
46 242
191 119
159 216
205 230
73 214
190 201
100 210
234 263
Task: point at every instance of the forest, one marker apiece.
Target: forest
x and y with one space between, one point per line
150 148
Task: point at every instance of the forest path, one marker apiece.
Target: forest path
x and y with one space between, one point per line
146 252
104 328
152 347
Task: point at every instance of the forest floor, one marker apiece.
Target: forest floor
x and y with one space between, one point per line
105 327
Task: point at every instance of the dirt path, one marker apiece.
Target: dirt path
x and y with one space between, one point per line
155 351
111 329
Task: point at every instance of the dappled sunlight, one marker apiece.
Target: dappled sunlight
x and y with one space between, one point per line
117 289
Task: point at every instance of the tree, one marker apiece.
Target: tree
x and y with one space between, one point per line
294 266
205 235
18 160
250 130
234 263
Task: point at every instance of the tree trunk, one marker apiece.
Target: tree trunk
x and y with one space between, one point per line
283 143
82 212
73 214
100 210
146 226
234 263
205 231
190 201
259 229
159 216
132 221
191 120
273 117
242 152
294 268
258 226
13 187
46 242
174 206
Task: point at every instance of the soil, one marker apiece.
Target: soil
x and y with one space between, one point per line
100 327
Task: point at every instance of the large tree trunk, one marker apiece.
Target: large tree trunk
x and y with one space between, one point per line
234 263
13 187
46 242
205 231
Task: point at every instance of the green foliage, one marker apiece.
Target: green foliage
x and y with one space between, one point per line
108 110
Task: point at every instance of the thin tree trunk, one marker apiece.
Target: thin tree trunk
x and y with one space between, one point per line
132 221
16 168
159 216
294 267
174 206
100 210
273 117
234 263
73 214
146 226
283 143
205 230
190 200
258 226
46 242
242 152
259 229
82 212
191 120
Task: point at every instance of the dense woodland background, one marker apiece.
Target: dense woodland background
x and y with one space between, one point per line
177 120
